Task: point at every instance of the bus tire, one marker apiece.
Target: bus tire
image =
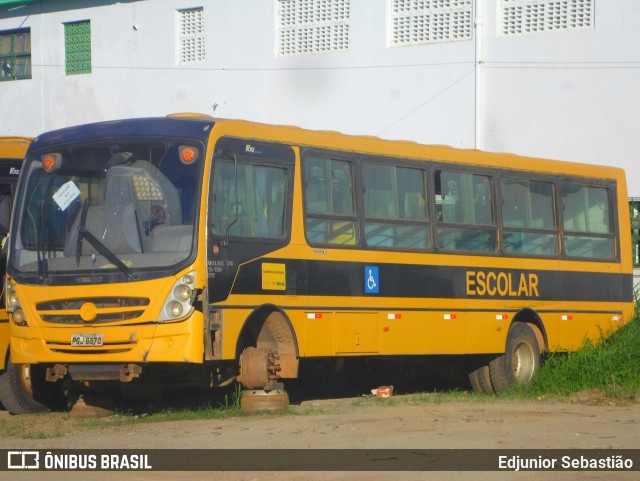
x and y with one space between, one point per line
480 380
520 362
24 390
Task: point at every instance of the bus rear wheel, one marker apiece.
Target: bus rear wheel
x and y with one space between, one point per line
480 379
520 362
24 390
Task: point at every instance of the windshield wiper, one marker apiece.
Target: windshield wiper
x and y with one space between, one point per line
83 233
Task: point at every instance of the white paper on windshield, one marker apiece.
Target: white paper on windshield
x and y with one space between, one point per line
66 194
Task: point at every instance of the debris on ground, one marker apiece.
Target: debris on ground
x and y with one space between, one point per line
383 391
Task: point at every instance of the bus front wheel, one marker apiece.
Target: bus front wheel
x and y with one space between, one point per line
520 362
24 390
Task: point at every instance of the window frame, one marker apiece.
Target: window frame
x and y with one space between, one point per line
13 56
612 235
248 164
555 231
441 225
265 154
497 229
397 221
336 219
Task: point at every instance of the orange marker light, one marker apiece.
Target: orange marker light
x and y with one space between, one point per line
51 162
188 154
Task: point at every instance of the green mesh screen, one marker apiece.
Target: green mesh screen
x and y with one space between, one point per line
77 47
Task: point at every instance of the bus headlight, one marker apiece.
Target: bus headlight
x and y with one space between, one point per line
182 292
174 309
18 318
13 302
179 302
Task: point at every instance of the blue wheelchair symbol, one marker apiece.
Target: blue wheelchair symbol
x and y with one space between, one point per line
371 280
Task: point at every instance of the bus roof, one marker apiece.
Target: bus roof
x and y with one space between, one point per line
414 150
14 147
151 126
200 125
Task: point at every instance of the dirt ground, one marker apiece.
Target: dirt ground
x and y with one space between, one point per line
587 421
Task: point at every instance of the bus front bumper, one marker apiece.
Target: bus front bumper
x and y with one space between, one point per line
176 342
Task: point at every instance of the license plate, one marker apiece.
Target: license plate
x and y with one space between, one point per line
83 340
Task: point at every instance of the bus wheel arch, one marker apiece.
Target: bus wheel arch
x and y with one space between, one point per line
267 348
522 358
533 320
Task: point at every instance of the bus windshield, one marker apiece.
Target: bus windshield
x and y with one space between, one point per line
121 208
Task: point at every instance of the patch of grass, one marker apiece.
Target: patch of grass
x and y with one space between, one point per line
35 426
611 367
186 414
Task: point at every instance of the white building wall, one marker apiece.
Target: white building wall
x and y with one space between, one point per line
370 89
571 95
566 95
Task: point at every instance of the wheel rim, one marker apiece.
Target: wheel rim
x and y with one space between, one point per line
24 377
524 363
263 401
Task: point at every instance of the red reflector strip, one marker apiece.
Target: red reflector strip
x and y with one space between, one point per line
314 315
394 316
567 318
449 316
502 317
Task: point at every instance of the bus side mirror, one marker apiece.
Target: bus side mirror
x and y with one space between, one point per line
5 214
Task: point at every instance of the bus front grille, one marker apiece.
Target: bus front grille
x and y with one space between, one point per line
105 310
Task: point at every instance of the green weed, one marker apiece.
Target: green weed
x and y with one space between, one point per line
611 366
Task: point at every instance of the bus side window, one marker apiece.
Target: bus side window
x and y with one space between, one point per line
482 202
464 204
451 202
588 231
341 188
329 201
394 207
528 217
414 206
275 205
316 187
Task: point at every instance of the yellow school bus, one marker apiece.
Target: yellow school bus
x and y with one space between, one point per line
213 250
12 151
16 384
